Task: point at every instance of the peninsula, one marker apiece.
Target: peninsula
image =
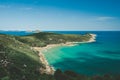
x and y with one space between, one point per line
21 56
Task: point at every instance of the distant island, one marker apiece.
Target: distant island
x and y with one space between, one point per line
21 57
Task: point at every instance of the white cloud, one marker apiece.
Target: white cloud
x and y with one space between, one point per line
105 18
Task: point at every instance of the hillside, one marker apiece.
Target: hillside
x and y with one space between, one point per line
44 38
18 60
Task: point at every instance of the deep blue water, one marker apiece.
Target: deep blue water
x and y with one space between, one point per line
17 33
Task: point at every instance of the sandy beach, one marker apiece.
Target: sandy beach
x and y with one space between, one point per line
49 69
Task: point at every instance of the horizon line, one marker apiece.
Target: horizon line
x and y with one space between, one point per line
59 30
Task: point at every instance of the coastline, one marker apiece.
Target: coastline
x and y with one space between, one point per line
48 69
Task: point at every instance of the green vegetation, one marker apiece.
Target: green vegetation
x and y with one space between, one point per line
70 75
18 61
45 38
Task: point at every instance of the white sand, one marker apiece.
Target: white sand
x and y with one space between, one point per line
48 69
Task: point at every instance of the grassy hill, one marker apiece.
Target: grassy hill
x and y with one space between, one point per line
45 38
18 61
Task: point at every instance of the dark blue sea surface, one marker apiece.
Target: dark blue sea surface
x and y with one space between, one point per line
17 33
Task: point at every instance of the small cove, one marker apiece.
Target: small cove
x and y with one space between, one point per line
100 57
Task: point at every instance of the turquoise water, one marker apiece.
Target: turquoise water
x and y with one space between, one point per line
100 57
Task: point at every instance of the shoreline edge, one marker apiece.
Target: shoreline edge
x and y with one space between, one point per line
48 69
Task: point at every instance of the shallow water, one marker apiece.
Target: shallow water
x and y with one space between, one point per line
100 57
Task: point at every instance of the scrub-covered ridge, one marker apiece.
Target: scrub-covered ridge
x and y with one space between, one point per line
20 61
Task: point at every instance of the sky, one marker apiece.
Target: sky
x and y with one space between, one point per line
60 15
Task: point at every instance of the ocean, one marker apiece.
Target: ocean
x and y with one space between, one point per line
100 57
16 33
